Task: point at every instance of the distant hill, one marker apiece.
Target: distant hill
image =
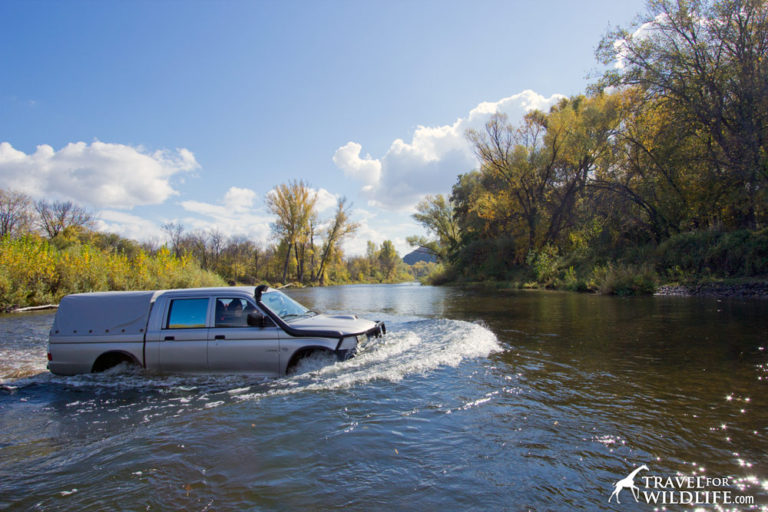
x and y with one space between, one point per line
420 254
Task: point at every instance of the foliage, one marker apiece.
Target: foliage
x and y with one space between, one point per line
711 253
625 279
704 63
435 213
660 169
293 204
34 271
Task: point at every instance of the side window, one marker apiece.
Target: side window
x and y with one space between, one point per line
233 312
187 314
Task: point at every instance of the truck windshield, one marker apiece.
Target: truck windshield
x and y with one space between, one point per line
284 306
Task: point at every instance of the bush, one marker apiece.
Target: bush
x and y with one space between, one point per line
487 260
624 279
740 253
545 264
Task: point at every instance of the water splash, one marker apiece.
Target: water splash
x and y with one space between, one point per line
412 348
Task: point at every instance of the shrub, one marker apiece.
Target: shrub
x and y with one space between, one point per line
726 254
625 279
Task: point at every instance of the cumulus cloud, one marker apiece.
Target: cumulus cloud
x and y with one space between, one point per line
234 215
325 200
431 161
127 225
98 174
366 169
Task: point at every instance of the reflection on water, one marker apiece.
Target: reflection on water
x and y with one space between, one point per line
473 400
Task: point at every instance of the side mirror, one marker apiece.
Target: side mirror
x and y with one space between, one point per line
257 320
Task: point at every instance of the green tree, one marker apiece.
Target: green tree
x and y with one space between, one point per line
435 213
707 62
534 175
340 228
294 205
388 259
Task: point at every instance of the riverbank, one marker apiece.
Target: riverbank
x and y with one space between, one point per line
753 289
734 288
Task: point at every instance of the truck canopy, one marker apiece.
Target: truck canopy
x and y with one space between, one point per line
103 313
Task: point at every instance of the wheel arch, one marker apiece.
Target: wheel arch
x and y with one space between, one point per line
112 358
303 352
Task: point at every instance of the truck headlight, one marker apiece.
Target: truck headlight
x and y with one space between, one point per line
348 343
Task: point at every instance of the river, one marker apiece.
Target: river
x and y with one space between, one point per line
474 400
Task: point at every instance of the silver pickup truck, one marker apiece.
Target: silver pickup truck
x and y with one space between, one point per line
240 329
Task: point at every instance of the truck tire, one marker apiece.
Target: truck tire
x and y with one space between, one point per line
110 360
302 360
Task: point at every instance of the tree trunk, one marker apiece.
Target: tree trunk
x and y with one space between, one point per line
285 265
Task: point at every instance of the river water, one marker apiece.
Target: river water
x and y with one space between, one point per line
474 400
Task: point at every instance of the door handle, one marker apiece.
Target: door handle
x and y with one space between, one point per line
169 338
219 337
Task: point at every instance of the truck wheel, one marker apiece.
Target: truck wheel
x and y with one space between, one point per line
110 360
309 360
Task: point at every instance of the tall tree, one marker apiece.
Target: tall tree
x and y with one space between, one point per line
339 229
293 204
707 62
175 232
538 171
435 213
388 259
15 213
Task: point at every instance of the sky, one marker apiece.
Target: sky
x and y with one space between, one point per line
149 112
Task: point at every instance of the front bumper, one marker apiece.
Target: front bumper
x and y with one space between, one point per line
347 346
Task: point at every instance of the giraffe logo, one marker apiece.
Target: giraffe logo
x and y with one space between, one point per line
628 483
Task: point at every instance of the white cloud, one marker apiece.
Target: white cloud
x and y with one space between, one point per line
98 174
240 199
347 158
234 215
128 226
435 156
325 200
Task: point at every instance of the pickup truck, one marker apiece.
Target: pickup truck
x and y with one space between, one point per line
256 330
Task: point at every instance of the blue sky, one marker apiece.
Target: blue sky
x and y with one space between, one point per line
150 112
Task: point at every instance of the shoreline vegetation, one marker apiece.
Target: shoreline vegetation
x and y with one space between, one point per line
655 180
36 271
51 249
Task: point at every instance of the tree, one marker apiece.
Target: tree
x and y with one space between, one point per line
435 213
339 229
293 204
534 175
388 259
15 213
175 232
57 216
707 62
